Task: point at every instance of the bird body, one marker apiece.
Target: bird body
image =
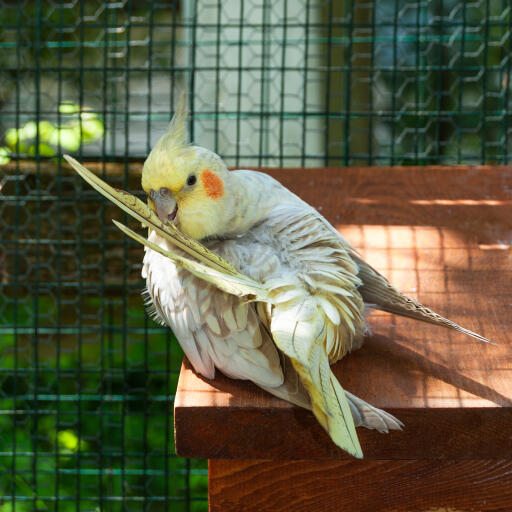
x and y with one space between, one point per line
272 293
316 314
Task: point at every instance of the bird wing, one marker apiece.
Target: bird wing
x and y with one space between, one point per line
317 311
317 316
172 303
214 328
298 329
318 262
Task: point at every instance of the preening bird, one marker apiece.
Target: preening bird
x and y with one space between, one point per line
254 282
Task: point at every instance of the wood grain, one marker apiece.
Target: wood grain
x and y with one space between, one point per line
362 486
444 236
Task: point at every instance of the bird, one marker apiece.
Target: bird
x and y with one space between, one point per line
256 283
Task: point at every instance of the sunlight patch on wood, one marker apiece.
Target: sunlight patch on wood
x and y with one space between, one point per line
391 236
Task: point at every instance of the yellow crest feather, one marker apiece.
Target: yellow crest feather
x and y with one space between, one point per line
168 148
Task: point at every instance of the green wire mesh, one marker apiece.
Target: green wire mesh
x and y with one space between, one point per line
86 379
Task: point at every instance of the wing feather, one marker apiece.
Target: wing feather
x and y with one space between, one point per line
299 331
215 329
319 261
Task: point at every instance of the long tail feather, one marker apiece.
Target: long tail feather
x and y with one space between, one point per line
377 290
368 416
140 211
239 285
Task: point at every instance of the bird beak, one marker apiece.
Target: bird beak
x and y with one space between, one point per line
165 206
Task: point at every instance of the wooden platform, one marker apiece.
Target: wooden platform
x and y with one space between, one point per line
443 235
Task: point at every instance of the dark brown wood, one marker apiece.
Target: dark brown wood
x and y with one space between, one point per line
49 167
444 236
362 486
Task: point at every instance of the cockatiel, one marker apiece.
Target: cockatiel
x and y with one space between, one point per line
272 294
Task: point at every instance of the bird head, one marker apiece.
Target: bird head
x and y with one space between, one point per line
186 184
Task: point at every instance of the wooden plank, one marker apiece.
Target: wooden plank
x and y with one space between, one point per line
365 486
443 236
50 167
226 419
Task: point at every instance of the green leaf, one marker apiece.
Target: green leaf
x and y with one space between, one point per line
46 130
92 129
29 131
19 506
11 137
69 138
88 115
69 442
44 150
68 108
4 155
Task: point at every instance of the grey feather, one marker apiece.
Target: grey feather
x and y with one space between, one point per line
377 290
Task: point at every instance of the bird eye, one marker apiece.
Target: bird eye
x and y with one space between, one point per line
191 180
164 192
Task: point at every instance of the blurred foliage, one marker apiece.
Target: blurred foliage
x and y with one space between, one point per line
48 139
94 427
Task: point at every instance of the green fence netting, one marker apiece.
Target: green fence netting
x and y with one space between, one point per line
86 379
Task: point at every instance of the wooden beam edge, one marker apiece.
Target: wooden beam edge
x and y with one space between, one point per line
293 434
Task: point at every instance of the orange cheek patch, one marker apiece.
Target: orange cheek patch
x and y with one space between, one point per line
212 184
